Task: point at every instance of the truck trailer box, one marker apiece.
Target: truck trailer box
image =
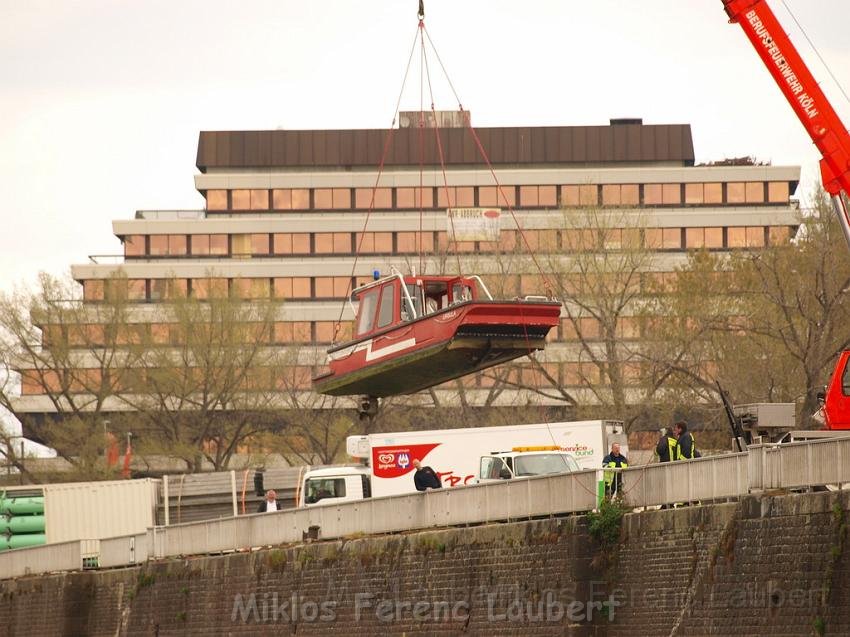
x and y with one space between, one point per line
454 454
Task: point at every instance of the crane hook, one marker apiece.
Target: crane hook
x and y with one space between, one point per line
421 14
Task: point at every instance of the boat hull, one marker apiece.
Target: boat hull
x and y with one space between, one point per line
439 347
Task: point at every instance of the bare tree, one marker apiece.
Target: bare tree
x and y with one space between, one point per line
796 312
72 356
206 381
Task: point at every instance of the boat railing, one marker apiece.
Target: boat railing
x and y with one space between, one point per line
478 280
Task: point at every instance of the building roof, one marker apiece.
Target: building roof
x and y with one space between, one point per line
627 142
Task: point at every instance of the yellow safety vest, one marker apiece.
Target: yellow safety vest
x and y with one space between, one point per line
672 448
678 450
608 475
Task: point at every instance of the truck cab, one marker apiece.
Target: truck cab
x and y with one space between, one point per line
836 399
332 485
524 462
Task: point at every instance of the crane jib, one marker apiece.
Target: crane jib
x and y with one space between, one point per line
774 51
804 95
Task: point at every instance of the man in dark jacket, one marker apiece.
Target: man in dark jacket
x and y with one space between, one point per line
685 446
666 447
425 477
270 503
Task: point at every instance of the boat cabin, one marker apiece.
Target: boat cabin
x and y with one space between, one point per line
398 299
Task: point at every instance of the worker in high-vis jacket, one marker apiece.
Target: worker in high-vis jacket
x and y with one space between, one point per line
613 479
686 447
666 447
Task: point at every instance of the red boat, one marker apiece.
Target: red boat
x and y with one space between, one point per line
414 332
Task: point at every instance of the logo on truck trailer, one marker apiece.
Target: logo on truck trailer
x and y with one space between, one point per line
392 462
578 450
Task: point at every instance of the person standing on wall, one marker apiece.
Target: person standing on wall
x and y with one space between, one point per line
425 477
613 479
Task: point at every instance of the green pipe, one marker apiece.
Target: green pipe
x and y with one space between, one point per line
22 524
21 506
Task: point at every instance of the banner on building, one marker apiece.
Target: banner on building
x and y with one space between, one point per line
473 224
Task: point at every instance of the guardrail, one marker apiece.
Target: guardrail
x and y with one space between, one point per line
508 500
763 467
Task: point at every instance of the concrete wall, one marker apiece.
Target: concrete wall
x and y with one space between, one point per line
774 565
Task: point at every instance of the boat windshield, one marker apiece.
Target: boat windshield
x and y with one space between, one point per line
366 310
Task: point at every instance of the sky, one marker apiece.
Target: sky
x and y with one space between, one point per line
101 101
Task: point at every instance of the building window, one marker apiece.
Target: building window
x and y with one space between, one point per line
259 199
251 288
755 236
219 245
178 245
301 288
455 196
754 192
569 196
332 198
209 288
713 193
216 200
159 244
324 243
240 199
406 243
671 194
383 198
736 237
134 245
282 288
199 244
260 244
736 192
777 192
694 194
696 238
301 243
291 199
93 290
779 235
241 245
529 196
282 242
331 287
611 195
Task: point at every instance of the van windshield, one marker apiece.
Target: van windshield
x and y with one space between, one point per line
543 463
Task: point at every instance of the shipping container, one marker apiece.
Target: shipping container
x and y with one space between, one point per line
93 510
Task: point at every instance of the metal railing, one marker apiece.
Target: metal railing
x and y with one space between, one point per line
508 500
763 467
703 479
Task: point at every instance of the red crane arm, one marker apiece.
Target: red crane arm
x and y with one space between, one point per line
799 87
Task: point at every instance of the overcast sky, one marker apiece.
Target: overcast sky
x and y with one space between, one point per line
101 101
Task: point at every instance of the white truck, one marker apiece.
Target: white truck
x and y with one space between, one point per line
455 454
